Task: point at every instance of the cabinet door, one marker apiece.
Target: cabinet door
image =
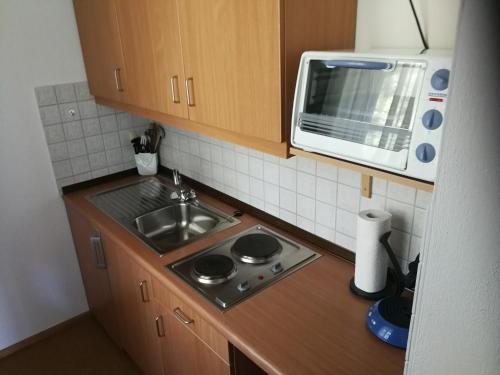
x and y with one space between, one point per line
101 47
184 353
149 31
231 53
132 288
93 267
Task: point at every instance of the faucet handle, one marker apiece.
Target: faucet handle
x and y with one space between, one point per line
192 194
177 177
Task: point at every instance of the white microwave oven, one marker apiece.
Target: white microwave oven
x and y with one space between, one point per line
382 110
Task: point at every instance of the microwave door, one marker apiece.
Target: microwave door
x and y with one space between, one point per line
370 103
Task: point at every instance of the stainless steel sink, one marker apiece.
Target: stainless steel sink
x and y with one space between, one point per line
176 225
147 210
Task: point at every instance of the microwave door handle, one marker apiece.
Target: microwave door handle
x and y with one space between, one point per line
357 64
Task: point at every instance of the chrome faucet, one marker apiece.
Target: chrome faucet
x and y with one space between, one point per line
182 194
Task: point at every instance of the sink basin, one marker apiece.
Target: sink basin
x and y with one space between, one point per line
178 224
147 210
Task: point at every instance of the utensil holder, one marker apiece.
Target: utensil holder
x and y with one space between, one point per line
147 164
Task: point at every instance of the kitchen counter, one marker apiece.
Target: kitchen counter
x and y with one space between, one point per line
306 323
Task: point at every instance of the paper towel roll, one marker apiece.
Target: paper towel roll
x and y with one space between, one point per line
370 274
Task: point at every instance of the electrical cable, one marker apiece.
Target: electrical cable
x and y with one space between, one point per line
424 42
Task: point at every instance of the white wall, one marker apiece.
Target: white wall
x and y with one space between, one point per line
390 24
40 283
456 329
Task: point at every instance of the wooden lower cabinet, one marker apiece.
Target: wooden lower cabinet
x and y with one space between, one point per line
131 287
161 334
93 267
184 353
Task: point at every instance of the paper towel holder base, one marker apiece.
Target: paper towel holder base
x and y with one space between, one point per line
389 290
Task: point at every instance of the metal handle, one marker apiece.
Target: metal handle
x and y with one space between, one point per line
174 86
96 245
118 81
181 316
189 92
160 329
357 64
144 296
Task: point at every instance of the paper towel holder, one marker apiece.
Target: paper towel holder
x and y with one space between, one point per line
394 277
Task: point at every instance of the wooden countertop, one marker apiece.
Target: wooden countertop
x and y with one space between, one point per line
307 323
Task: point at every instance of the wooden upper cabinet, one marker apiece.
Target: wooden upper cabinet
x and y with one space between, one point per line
101 48
223 68
151 44
232 63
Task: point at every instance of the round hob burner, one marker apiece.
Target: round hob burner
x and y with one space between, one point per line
213 269
256 248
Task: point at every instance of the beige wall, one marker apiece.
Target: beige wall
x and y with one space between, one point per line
390 24
40 283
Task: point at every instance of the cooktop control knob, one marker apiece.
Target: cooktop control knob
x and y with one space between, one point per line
426 152
243 286
432 119
439 80
277 268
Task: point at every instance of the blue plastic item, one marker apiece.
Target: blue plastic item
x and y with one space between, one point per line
432 119
439 80
426 152
385 330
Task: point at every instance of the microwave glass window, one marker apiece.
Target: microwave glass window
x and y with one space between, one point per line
374 107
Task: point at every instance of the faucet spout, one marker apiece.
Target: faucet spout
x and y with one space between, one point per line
182 194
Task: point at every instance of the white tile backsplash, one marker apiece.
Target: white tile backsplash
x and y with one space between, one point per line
346 222
326 205
288 200
326 191
401 193
306 207
350 178
306 184
324 232
402 215
288 178
92 147
348 198
325 214
327 171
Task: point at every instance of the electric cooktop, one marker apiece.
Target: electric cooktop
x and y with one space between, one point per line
233 270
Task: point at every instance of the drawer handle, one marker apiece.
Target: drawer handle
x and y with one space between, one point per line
96 245
160 329
181 316
189 92
143 286
118 80
174 87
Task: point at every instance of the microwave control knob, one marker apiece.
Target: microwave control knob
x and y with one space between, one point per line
243 286
432 119
439 80
426 152
276 268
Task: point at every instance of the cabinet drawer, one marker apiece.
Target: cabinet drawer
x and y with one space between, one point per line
188 316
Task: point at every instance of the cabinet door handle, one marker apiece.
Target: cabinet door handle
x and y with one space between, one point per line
182 317
143 286
96 245
118 80
174 87
189 92
160 329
